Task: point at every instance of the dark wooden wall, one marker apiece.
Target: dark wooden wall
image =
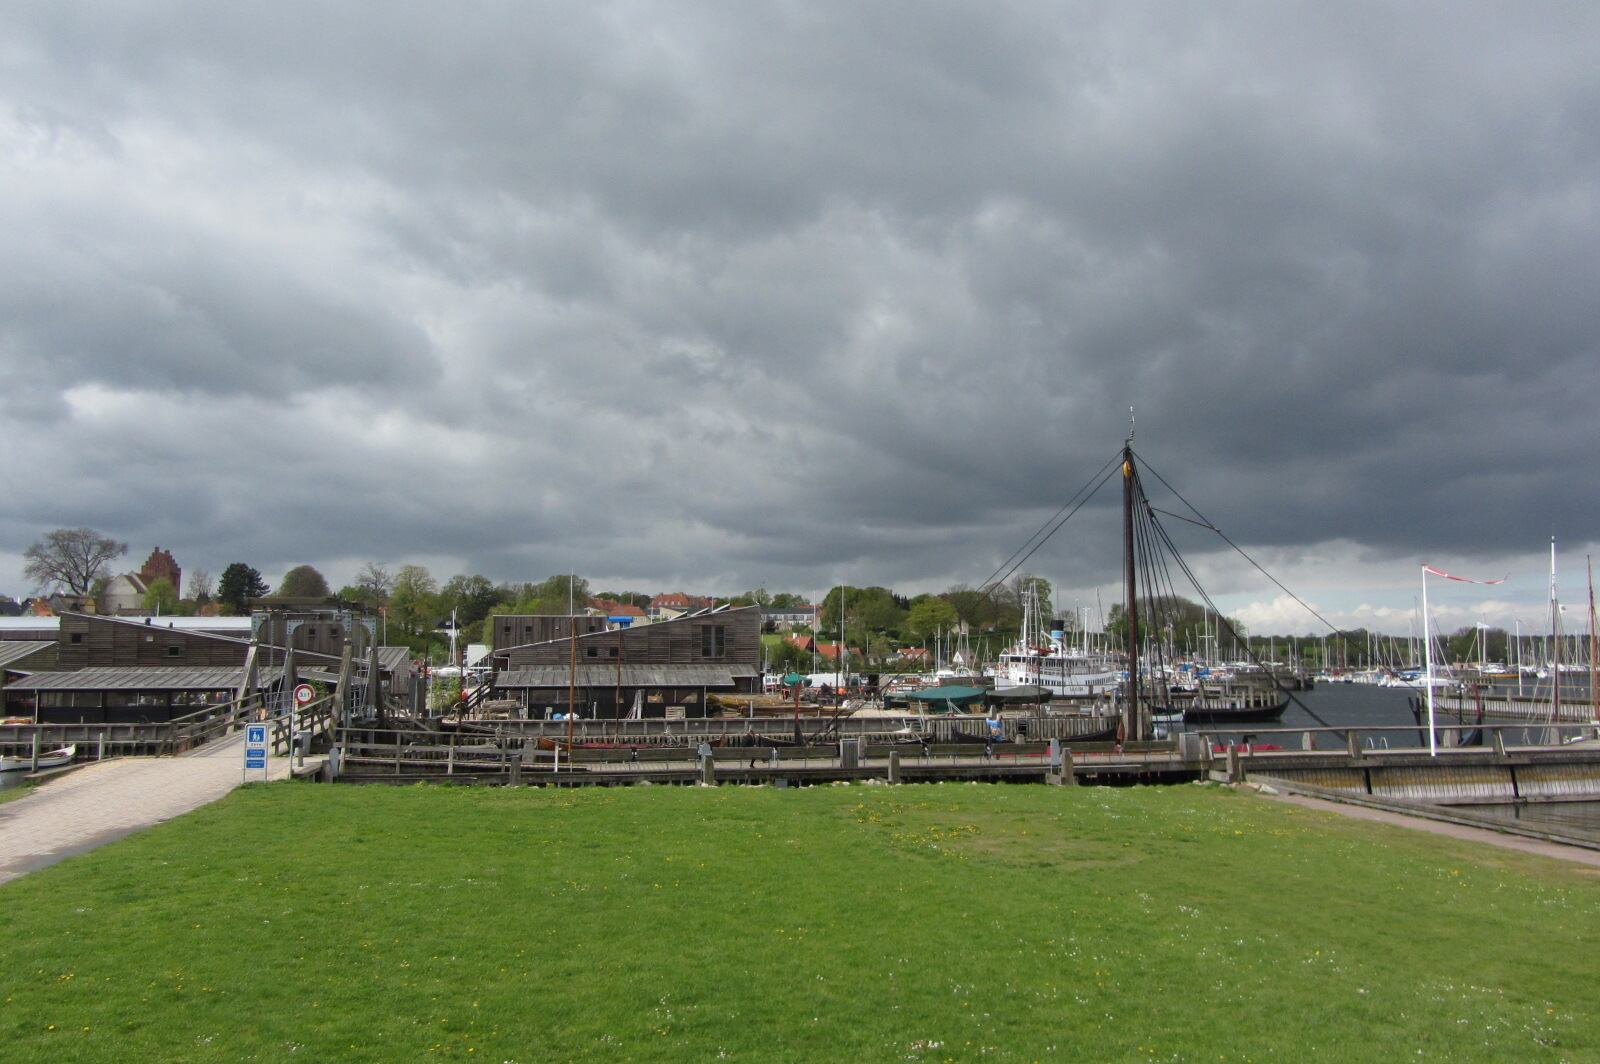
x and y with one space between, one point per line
676 642
321 632
518 629
88 642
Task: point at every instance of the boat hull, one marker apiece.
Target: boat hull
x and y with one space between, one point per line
1246 714
47 759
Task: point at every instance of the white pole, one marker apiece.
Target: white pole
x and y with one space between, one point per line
1427 652
840 659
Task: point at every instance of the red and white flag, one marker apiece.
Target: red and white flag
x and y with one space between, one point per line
1463 579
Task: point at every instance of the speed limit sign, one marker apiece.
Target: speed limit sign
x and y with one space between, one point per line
303 694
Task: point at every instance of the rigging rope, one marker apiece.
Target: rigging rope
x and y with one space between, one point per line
1090 487
1205 522
1222 619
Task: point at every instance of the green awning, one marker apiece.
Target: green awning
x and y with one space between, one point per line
946 697
793 678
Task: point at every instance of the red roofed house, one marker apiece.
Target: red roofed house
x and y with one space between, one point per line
675 604
620 612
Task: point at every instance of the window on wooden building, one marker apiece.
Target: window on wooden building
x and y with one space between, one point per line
713 640
174 651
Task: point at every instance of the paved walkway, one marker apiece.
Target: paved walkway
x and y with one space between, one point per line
1576 854
103 802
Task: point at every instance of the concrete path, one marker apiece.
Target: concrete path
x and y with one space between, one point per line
100 803
1576 854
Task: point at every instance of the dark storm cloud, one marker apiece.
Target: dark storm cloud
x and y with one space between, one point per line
790 294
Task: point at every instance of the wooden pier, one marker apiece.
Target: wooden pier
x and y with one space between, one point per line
1367 761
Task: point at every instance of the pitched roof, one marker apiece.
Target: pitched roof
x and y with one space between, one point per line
145 678
606 676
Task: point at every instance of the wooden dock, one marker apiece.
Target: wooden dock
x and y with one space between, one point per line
1364 762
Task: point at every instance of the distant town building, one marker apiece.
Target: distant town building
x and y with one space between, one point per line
622 614
676 604
788 618
161 565
123 596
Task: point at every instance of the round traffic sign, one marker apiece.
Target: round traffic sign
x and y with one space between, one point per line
303 694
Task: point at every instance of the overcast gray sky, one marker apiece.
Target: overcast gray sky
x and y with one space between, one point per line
702 297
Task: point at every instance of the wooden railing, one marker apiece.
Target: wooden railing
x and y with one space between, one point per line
313 719
98 741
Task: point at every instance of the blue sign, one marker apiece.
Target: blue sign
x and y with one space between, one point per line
255 759
255 735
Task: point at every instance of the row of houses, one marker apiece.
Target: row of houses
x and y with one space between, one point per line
675 604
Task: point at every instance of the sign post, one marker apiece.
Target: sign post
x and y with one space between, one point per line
255 749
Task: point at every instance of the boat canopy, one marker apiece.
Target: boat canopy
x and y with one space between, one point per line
937 697
1023 693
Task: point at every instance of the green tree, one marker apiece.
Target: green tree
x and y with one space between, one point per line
160 597
472 597
866 609
71 559
412 604
303 581
928 614
626 598
554 594
1021 585
977 608
239 584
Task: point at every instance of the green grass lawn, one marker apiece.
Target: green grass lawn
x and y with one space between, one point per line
303 922
11 794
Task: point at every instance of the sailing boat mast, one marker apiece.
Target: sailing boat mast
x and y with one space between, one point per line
1594 701
1427 654
1555 641
1131 717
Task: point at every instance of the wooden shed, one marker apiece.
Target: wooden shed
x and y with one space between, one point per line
661 668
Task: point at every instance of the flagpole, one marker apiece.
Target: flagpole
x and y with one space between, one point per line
1427 656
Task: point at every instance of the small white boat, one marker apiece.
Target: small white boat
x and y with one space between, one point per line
62 755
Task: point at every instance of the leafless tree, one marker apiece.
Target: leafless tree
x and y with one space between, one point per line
376 581
71 558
